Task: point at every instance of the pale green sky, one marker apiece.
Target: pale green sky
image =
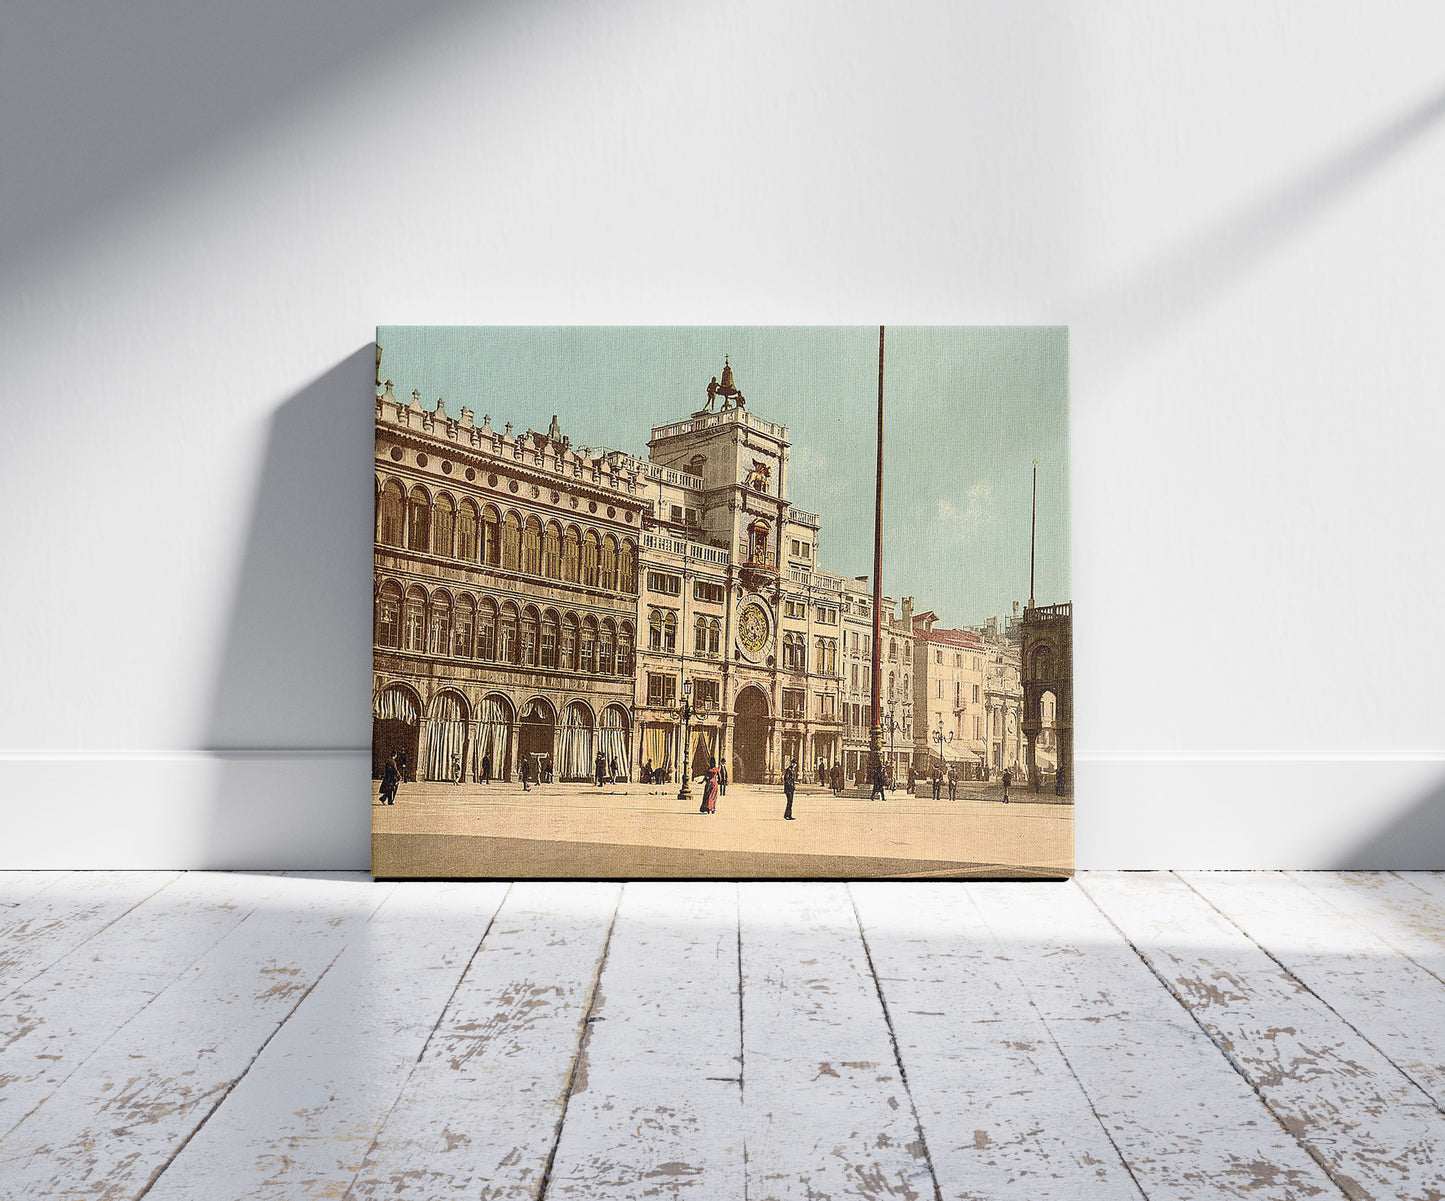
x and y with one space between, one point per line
966 410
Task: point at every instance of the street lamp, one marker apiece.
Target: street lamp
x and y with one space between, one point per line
685 792
941 740
894 726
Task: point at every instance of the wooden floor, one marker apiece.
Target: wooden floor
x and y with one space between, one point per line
1192 1035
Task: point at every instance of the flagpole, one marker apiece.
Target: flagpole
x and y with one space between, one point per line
875 732
1033 526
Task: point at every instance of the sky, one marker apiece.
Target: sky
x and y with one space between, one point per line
967 410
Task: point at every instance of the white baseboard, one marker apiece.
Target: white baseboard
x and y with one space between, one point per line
310 809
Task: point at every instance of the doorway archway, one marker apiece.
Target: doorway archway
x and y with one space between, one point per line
750 736
395 727
536 735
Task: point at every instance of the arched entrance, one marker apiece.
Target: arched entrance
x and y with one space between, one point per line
446 737
395 727
615 741
750 736
536 734
574 744
492 751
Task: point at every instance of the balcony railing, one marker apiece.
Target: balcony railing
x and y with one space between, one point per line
803 517
1050 612
728 417
687 548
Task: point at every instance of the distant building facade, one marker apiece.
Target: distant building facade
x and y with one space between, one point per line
545 604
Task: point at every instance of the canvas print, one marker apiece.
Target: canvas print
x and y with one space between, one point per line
722 602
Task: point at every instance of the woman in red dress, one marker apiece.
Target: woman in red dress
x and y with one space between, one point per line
709 788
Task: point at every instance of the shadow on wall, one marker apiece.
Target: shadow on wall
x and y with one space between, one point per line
1413 842
290 713
118 97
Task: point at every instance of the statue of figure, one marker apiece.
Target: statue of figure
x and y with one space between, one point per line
711 395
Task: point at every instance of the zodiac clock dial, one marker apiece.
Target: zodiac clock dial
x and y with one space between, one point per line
753 629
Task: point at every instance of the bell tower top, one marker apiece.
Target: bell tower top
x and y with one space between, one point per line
728 390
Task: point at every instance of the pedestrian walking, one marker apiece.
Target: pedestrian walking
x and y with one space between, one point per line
722 778
390 778
486 769
616 773
709 788
912 778
790 784
937 782
878 784
600 766
456 769
526 776
647 772
1008 778
837 779
952 784
1059 784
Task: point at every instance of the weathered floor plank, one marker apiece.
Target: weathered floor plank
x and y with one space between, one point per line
300 1123
1186 1124
656 1108
1406 910
124 1114
1367 1123
1388 999
1002 1114
480 1114
52 1024
47 925
16 887
826 1110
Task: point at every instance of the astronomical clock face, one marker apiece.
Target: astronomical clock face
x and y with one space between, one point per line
754 629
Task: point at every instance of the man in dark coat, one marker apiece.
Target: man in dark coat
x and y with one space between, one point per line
526 776
878 784
937 782
790 784
601 767
390 778
722 779
1008 778
486 769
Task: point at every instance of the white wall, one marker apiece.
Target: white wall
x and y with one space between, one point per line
207 207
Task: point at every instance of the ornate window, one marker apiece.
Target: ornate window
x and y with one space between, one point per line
551 636
589 559
391 515
529 637
608 579
487 629
418 521
512 542
463 624
507 648
569 642
588 655
467 532
627 568
606 648
444 525
624 649
413 627
387 625
552 552
439 624
572 555
491 537
532 547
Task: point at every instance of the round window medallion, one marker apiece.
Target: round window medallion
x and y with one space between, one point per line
513 486
574 502
536 492
422 460
611 512
471 474
491 481
628 516
446 467
555 498
396 453
592 506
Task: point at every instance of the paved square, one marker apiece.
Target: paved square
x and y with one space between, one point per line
627 831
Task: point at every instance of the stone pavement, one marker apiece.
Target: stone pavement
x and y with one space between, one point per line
628 831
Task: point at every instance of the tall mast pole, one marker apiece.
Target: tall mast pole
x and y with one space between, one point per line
1033 526
875 733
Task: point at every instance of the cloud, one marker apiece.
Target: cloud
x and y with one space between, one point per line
961 522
